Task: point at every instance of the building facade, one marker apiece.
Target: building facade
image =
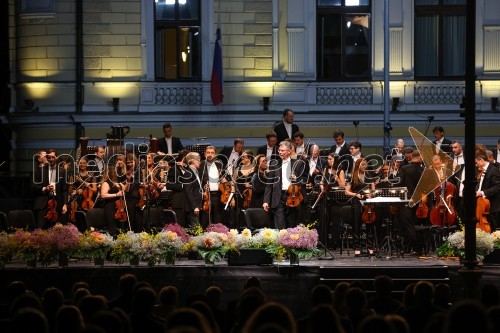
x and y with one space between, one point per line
78 67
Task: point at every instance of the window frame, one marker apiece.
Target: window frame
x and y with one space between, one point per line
343 11
440 11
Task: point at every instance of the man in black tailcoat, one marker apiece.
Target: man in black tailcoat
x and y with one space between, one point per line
286 129
169 144
283 173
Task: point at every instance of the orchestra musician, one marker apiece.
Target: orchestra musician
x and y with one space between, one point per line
409 176
230 155
132 197
440 141
360 187
340 148
348 162
270 150
259 181
211 176
169 144
83 181
489 187
51 184
298 138
283 176
174 183
333 179
459 175
286 129
193 187
114 187
243 181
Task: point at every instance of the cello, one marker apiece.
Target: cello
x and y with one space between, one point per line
443 213
247 197
482 209
422 209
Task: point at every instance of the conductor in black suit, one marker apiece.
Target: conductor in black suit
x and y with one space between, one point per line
169 144
283 173
286 129
441 142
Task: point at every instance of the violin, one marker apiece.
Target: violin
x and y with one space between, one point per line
368 216
247 197
295 196
52 213
225 192
422 209
142 197
207 203
87 202
120 213
441 214
72 210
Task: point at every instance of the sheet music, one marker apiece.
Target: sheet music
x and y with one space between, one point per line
383 199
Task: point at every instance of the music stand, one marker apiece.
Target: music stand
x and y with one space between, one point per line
198 148
323 214
337 194
165 198
388 241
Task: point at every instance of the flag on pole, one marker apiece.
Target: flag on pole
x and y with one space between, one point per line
216 84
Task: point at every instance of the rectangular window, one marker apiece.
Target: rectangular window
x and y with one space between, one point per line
343 40
439 38
177 40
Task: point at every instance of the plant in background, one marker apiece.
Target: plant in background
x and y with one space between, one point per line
95 245
194 228
454 245
301 241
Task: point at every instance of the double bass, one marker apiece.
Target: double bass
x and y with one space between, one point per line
443 213
422 209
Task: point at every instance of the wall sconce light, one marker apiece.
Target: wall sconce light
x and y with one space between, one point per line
29 105
494 103
265 102
116 104
395 103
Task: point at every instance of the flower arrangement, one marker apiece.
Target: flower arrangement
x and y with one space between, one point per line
217 227
125 247
169 243
211 245
146 248
26 244
7 248
64 238
265 237
454 245
496 239
301 241
95 245
180 231
240 240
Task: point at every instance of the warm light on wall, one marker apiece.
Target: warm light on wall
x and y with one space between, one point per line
39 90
